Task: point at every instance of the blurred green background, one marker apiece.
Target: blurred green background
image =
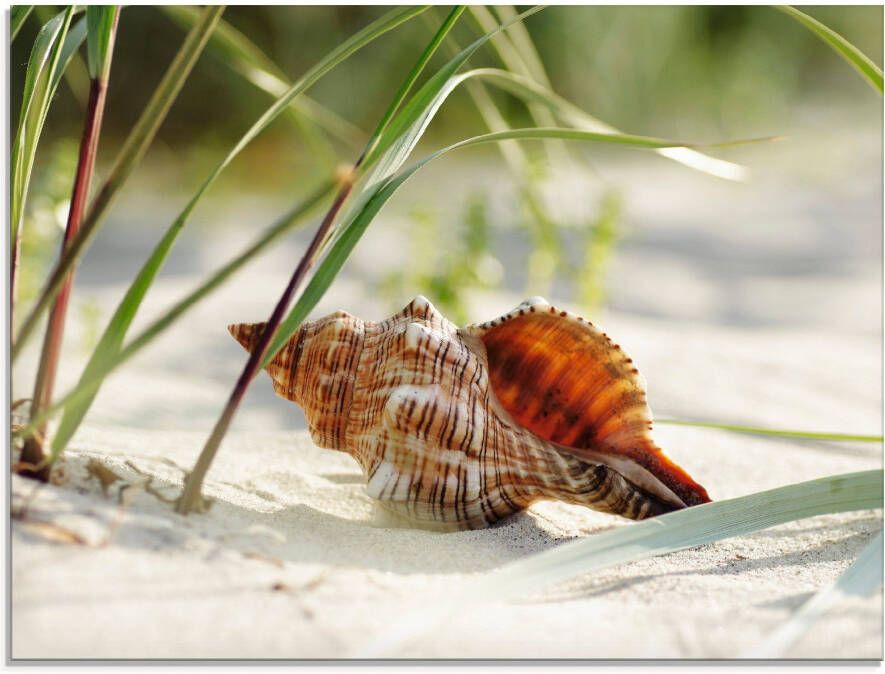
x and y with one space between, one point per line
699 71
612 233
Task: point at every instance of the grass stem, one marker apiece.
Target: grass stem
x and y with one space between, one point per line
32 452
191 496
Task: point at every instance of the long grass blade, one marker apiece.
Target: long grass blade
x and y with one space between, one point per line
113 336
17 16
38 91
514 59
411 78
245 58
572 115
688 528
774 432
854 56
391 148
417 113
861 579
74 68
130 155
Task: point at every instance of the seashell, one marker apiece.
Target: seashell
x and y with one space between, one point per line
459 428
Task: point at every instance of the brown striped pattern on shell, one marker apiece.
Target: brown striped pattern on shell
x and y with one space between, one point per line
415 401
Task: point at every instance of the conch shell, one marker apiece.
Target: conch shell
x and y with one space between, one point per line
462 427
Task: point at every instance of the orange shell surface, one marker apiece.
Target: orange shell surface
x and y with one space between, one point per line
560 377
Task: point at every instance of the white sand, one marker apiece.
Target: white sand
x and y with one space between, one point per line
758 304
293 561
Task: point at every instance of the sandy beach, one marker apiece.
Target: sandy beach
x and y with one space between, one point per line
780 326
294 561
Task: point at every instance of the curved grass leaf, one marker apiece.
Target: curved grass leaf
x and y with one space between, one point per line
571 114
75 72
380 192
17 16
516 61
423 106
688 528
411 78
774 432
245 58
130 155
395 138
861 579
113 336
854 56
40 84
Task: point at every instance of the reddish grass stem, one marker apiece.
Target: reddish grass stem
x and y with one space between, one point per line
191 498
32 452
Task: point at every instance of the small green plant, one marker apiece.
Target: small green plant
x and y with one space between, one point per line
447 271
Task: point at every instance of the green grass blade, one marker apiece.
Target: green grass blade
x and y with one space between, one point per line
113 336
854 56
73 40
17 16
688 528
572 115
79 393
413 75
100 20
774 432
515 60
245 58
861 579
393 146
420 109
75 72
380 192
130 155
39 77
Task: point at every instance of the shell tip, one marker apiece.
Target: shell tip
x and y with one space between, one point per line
247 334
